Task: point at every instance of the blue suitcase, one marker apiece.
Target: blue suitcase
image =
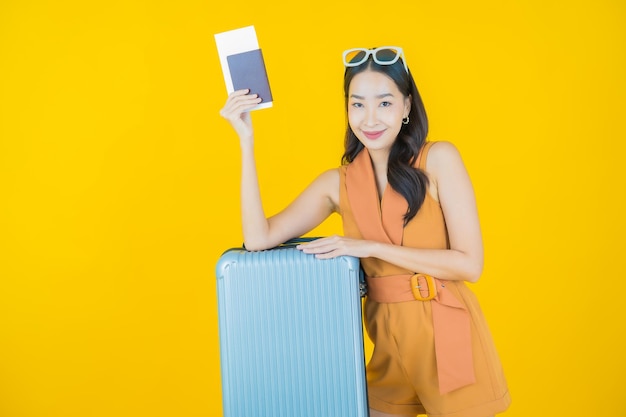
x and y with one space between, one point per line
291 335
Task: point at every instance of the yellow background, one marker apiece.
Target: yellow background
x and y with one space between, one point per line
119 185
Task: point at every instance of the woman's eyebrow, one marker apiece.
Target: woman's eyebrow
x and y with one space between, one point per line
355 96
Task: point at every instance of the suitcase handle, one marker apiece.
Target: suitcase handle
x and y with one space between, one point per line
296 241
291 242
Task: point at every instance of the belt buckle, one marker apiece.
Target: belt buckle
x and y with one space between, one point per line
430 285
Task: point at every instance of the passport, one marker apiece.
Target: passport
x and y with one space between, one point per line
243 65
247 70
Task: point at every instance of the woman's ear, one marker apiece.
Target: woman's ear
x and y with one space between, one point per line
407 105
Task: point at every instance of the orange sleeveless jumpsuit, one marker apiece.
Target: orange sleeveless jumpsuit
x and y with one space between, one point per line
434 357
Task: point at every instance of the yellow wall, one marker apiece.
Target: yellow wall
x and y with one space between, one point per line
118 184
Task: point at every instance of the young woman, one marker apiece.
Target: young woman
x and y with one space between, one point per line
409 214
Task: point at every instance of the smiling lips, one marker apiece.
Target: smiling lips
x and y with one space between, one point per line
373 135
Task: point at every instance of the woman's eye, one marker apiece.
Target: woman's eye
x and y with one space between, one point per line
357 105
385 104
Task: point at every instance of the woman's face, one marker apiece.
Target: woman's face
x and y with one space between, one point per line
375 109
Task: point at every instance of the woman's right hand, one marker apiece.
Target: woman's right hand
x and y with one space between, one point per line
237 112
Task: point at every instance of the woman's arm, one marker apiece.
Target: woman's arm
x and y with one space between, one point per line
453 188
318 201
307 211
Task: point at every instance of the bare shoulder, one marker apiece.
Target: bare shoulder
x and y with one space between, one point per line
328 183
328 180
443 157
330 175
443 166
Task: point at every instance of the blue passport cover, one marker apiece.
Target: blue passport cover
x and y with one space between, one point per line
247 70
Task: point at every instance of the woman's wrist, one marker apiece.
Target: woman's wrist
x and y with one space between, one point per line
247 144
373 249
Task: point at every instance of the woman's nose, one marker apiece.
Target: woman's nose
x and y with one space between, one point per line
371 117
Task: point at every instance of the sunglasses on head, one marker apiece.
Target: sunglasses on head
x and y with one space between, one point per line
385 55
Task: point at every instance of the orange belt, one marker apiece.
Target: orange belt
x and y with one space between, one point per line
451 323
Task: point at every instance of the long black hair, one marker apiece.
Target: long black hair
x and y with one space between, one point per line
410 182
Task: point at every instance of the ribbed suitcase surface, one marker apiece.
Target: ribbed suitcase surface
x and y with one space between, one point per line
291 339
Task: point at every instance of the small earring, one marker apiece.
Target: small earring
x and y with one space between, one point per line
405 121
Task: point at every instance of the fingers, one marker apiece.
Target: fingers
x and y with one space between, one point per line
333 246
239 102
236 112
316 244
324 248
328 255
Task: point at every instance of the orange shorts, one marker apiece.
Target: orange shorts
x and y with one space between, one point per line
402 373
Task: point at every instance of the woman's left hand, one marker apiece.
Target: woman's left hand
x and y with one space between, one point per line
333 246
